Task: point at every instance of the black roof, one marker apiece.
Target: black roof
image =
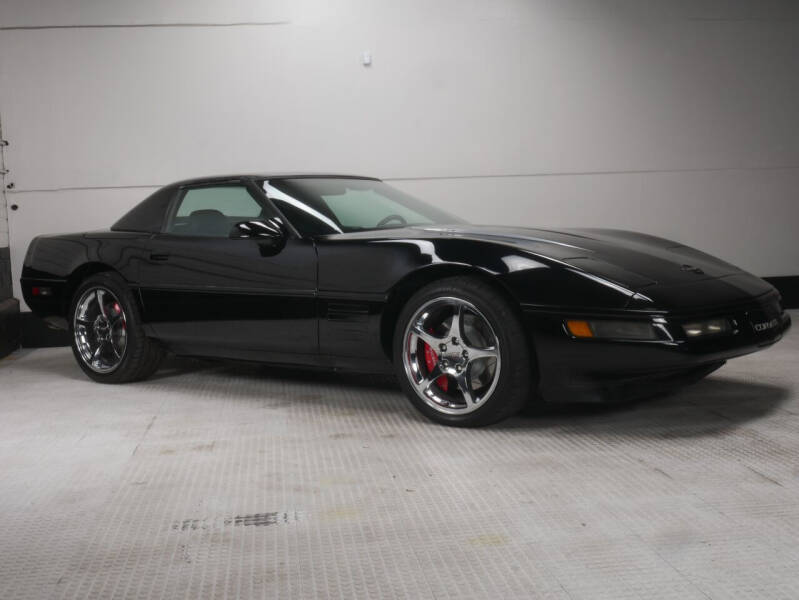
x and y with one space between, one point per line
148 216
216 178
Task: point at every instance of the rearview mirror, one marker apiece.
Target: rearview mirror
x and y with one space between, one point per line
269 234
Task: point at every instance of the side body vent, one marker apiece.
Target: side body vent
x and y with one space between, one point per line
350 311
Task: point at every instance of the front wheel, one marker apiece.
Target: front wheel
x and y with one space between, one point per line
461 354
108 340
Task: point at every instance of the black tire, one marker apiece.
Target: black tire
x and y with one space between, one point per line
142 355
513 385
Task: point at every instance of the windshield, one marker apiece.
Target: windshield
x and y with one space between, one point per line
321 206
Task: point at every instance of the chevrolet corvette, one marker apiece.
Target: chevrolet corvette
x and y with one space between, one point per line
347 272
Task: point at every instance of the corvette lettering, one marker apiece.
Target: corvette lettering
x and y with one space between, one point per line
765 325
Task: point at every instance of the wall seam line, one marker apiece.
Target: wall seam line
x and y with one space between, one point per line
143 25
453 177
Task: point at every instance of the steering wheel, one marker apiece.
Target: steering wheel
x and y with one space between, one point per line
386 220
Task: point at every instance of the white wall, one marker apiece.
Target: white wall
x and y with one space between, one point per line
677 118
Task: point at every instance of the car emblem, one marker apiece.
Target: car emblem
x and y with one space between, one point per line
692 268
765 325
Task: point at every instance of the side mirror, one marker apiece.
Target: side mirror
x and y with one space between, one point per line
269 234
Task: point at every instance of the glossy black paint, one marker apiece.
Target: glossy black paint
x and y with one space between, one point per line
788 287
201 290
332 300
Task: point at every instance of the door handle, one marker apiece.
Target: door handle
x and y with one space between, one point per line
159 257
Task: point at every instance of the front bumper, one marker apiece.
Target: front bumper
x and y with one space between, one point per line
601 370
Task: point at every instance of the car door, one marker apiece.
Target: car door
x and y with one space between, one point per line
207 293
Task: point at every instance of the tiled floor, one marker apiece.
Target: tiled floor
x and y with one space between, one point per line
220 481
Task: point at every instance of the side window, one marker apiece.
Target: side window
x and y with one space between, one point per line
212 211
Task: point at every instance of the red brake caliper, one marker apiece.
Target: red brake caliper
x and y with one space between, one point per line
118 310
430 359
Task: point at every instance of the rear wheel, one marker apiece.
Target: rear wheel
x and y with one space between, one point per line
461 354
108 340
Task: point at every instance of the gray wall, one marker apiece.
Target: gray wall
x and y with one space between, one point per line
677 118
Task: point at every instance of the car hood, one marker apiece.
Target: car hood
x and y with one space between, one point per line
631 259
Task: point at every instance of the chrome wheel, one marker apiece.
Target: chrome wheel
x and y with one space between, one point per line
100 330
451 355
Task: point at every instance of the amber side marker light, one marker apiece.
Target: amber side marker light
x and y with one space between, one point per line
606 329
579 329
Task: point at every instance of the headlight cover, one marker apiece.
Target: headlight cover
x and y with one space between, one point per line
707 327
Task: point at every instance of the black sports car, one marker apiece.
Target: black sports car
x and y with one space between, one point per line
348 272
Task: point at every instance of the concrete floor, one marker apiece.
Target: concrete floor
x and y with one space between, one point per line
220 481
